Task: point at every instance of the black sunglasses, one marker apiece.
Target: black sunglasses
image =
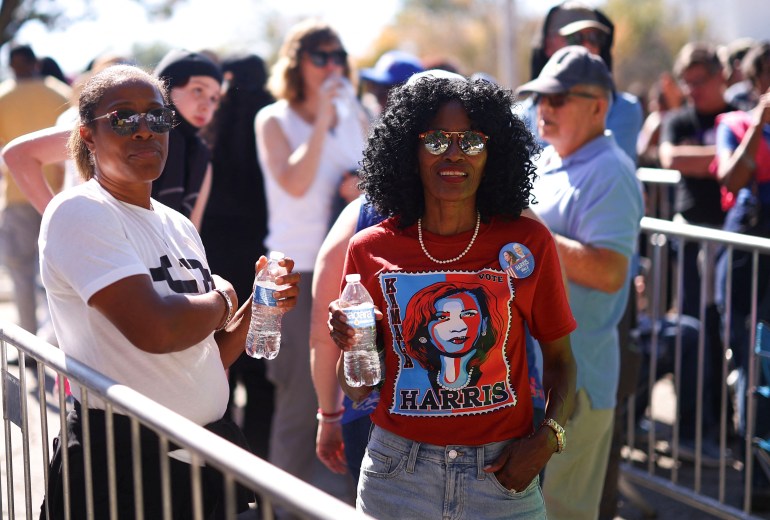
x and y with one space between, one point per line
472 142
126 122
321 58
560 99
594 38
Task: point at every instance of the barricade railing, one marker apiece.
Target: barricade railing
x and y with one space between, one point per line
659 185
660 465
32 415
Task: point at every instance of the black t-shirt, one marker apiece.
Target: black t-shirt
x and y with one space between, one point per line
697 199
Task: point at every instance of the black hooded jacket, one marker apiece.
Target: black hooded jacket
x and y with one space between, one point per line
182 177
235 221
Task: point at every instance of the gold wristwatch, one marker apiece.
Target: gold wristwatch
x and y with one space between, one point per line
561 439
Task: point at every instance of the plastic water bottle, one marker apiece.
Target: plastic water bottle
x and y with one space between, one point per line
362 362
343 102
264 337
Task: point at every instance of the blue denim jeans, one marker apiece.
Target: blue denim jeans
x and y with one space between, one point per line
355 435
403 479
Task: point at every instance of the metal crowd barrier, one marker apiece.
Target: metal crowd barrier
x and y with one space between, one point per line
31 418
32 414
659 185
653 457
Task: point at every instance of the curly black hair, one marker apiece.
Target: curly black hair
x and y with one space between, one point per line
390 175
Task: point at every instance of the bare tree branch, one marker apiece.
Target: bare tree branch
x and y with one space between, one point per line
8 9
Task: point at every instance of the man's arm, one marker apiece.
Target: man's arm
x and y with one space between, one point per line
690 159
737 167
534 216
593 267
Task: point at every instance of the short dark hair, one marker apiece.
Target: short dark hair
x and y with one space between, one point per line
390 171
697 53
755 61
731 55
24 51
49 67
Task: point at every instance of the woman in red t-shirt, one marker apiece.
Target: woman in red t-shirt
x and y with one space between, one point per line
449 164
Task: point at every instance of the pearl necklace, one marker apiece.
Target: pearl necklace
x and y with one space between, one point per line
467 381
455 259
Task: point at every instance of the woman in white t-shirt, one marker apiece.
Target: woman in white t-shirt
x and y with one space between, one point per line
308 143
132 296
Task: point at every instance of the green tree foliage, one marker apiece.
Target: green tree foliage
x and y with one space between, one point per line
647 38
461 32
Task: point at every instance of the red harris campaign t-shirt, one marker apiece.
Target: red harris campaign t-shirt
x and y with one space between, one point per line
455 355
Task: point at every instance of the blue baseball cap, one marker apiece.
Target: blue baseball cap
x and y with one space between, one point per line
392 68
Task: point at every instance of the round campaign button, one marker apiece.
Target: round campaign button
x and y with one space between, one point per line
517 260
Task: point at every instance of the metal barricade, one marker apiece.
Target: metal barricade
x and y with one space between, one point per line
31 415
654 457
659 185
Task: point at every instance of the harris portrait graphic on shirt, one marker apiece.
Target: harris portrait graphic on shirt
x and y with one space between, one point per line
449 333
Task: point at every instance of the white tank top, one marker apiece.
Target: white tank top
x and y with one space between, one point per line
298 225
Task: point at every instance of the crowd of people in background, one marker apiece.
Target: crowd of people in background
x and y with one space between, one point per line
293 157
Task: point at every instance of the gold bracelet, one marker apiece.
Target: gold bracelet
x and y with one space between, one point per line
228 305
561 438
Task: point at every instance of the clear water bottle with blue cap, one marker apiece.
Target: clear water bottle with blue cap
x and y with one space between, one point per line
264 336
362 362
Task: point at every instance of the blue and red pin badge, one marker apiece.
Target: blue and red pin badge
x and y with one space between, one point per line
517 260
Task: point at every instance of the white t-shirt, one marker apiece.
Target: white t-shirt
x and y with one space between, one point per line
90 240
298 225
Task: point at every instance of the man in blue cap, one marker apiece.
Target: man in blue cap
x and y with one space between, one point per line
392 69
589 197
